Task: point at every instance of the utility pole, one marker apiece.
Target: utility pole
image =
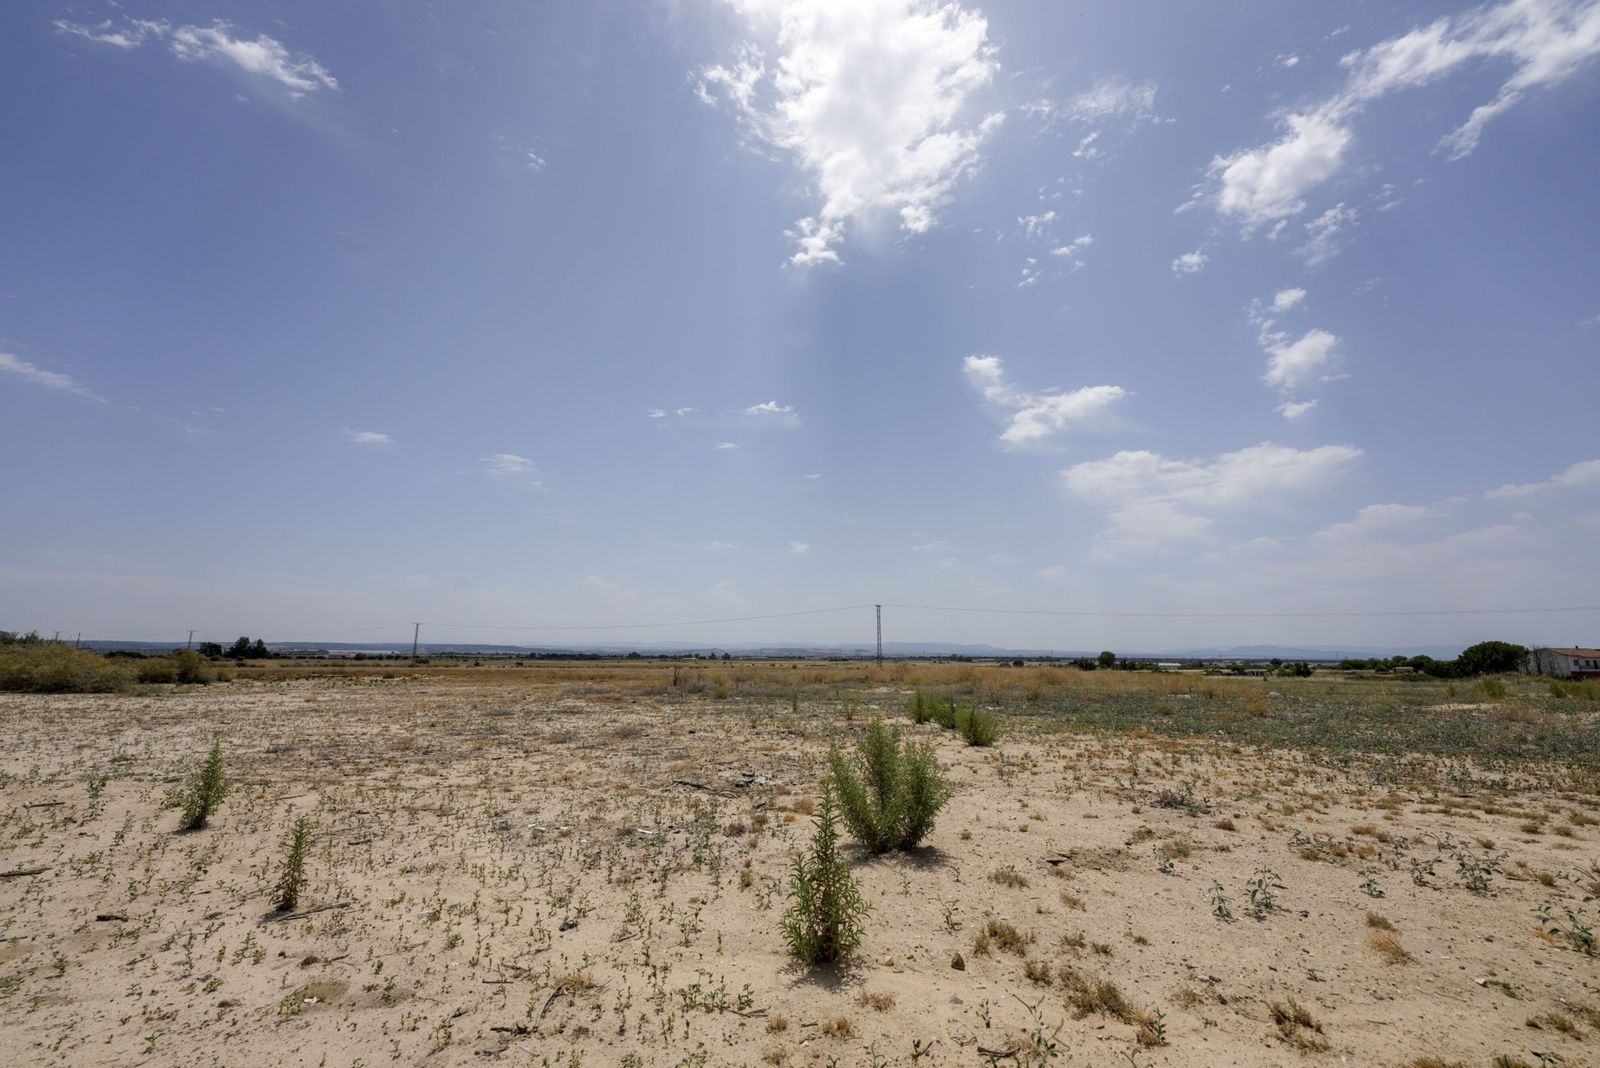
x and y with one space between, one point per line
416 630
190 643
78 641
879 607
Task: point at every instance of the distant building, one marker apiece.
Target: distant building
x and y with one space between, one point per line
1574 663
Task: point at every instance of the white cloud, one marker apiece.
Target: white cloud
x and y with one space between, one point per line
506 463
1323 234
1545 41
1086 148
40 377
1295 409
1055 573
1107 99
1381 518
1190 262
265 56
1579 474
656 413
870 98
1073 250
131 34
1288 61
367 437
721 546
725 445
798 548
817 475
1285 299
1037 417
770 408
1035 224
1263 185
1153 502
1297 364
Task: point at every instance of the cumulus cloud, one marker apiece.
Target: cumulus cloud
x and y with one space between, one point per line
15 365
1285 299
770 408
1583 473
1293 365
1379 519
872 99
1295 409
1544 42
1190 262
1153 502
798 548
1262 185
262 56
367 437
1035 418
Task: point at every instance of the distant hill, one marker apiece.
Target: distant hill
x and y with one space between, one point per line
805 649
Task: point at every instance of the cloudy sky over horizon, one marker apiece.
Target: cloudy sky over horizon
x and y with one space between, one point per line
317 318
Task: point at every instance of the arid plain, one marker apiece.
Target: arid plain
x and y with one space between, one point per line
586 863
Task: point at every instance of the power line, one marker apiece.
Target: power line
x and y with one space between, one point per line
642 626
1249 615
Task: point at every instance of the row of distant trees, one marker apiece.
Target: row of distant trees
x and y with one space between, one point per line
243 649
1484 658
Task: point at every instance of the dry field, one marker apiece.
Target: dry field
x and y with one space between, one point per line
586 864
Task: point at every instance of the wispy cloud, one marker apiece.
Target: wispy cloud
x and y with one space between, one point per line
1544 41
1035 418
218 43
870 99
509 465
799 548
1107 99
1190 262
28 372
367 437
721 445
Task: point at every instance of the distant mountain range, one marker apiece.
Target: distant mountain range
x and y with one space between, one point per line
802 649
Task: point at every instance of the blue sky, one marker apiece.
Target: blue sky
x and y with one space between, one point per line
317 318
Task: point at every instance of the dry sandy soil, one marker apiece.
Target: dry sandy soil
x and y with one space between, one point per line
515 872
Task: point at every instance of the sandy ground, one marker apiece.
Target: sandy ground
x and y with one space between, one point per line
521 875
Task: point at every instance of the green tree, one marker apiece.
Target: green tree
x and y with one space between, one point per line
1490 658
1106 658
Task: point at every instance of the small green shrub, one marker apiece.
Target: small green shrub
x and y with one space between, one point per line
55 667
825 919
292 879
179 666
977 726
920 708
205 791
890 795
